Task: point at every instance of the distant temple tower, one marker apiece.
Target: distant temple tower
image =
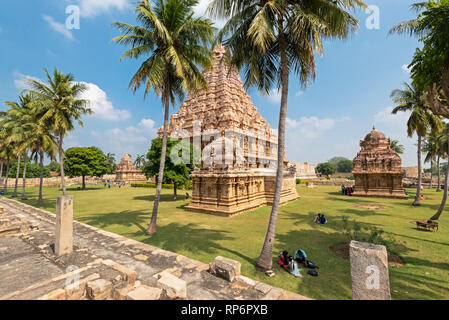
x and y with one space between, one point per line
127 172
224 117
377 168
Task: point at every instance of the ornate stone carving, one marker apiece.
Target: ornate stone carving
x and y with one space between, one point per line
377 168
244 178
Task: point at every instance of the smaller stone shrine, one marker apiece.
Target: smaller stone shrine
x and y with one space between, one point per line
377 168
127 172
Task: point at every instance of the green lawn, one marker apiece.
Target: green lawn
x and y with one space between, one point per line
425 274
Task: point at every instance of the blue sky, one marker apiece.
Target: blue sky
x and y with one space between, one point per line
329 118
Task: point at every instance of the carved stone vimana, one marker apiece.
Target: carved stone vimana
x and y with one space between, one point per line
127 172
377 168
229 183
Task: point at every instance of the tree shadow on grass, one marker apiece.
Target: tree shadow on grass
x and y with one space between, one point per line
333 222
172 237
193 238
125 218
164 197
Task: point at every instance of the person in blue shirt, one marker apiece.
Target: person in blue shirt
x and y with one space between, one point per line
323 219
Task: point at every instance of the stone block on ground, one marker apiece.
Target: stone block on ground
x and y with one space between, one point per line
76 291
144 293
58 294
225 268
128 274
173 287
99 289
369 271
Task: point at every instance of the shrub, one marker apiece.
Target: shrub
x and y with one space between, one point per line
298 181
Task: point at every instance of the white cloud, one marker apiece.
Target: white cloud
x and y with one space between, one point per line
274 96
312 127
59 27
201 9
133 139
101 105
20 80
299 93
92 8
406 69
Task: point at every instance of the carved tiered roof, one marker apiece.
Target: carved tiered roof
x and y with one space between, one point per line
224 105
126 165
376 155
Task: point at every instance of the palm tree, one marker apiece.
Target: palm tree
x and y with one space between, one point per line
111 160
430 148
430 65
271 38
411 100
444 150
173 43
17 133
396 146
59 106
140 160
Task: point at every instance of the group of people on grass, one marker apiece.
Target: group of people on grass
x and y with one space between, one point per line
120 184
347 191
320 218
291 264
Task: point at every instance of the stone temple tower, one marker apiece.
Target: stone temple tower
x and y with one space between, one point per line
377 168
237 168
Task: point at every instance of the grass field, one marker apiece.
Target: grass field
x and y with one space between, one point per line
425 275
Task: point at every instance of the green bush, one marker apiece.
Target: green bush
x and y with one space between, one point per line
355 231
150 185
298 181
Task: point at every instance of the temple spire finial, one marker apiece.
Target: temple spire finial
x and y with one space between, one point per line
374 128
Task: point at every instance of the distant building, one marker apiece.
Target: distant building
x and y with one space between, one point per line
126 171
305 171
377 168
412 172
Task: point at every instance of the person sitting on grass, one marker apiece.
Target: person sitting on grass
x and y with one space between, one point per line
317 218
342 188
283 260
300 256
323 219
294 269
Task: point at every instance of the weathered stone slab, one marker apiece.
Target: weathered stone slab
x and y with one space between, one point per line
225 268
64 225
58 294
369 271
173 287
144 293
99 289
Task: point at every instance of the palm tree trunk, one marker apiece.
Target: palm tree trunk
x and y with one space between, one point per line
431 172
41 177
14 194
438 173
175 194
152 227
443 201
61 165
5 190
418 189
24 197
1 172
265 261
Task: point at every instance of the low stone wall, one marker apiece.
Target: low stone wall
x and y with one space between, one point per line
334 182
53 181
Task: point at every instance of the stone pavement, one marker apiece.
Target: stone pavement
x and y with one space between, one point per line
108 266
